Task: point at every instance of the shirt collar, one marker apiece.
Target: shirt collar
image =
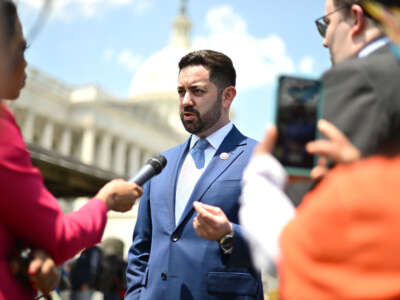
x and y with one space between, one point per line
216 138
373 46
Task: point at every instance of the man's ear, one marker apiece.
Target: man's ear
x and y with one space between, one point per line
227 96
358 19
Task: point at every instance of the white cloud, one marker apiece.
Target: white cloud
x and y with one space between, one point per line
70 9
257 60
125 58
129 60
306 65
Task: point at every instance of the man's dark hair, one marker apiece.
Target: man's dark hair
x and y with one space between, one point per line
346 3
343 3
8 20
222 72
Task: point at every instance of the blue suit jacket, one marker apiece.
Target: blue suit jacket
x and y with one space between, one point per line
171 262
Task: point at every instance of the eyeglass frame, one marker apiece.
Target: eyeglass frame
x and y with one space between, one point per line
322 26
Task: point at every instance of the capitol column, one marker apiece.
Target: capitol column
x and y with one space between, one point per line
28 129
120 157
134 160
87 153
104 158
65 143
46 140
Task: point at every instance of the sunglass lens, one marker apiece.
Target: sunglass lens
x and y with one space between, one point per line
321 28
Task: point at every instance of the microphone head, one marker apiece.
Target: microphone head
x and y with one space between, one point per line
158 162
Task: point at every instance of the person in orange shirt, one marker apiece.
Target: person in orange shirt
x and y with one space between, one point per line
344 241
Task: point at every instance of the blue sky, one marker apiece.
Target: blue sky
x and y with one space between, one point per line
105 41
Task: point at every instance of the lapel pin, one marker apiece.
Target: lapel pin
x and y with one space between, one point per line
224 156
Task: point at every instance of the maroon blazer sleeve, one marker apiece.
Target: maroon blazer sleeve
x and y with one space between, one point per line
28 209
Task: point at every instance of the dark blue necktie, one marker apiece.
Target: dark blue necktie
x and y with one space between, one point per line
197 153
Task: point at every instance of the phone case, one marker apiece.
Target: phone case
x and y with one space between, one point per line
298 171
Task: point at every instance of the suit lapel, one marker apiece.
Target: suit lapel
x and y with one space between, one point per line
232 146
172 177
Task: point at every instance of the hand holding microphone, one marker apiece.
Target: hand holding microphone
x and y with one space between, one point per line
119 195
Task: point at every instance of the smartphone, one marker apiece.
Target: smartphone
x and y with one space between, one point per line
298 108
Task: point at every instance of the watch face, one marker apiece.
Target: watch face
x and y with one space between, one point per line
227 243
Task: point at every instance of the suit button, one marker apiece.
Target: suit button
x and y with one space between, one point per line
164 276
174 238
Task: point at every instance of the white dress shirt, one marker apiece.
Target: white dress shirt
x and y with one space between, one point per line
265 209
189 174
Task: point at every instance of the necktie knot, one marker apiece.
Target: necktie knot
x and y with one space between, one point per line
197 153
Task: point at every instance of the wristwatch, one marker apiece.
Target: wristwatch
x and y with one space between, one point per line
226 243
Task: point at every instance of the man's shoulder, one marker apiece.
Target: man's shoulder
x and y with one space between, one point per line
251 143
237 135
347 68
384 63
245 144
381 62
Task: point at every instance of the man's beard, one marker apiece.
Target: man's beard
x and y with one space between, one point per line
205 122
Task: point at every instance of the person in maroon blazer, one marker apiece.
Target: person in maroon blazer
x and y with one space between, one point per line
29 214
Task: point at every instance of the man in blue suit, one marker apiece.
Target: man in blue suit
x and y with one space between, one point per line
187 242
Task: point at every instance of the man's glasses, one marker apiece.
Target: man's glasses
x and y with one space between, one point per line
321 23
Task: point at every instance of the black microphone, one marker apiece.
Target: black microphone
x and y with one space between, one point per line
152 167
